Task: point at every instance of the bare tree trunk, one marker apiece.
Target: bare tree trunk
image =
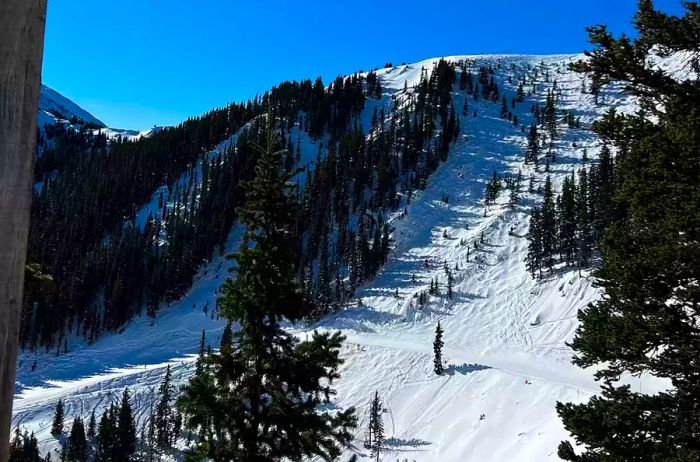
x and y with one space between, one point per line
21 49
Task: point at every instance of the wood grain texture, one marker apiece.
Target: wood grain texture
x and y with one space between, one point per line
21 48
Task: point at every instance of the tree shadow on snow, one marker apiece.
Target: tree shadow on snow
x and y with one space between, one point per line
355 319
394 443
464 369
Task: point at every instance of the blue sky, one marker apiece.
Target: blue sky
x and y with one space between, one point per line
136 63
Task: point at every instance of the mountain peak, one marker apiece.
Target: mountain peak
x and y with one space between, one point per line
53 106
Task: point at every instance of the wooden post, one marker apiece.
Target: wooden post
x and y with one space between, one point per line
21 48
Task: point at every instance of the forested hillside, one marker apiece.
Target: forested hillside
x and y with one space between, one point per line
107 263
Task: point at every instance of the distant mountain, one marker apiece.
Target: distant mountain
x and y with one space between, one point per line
56 108
53 106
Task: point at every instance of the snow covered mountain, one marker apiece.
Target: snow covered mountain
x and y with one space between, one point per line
56 108
53 107
507 362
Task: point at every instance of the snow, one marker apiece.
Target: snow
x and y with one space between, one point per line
505 335
56 108
51 100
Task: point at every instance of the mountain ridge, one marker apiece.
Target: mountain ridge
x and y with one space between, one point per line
54 106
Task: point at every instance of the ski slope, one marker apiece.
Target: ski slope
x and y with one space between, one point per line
506 358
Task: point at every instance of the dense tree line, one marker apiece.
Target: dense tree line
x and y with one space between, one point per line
24 448
344 235
568 228
89 187
106 267
111 437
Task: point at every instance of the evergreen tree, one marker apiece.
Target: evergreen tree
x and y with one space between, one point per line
533 146
376 429
267 384
58 416
76 447
437 350
201 352
514 193
24 448
603 176
584 234
493 188
647 320
148 437
450 282
125 431
534 249
106 447
504 107
164 416
566 220
548 228
92 427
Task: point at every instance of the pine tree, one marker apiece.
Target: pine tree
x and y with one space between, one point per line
376 429
584 235
534 248
504 107
106 436
533 146
548 228
450 281
24 448
164 414
125 431
58 416
566 220
647 320
92 427
201 351
604 191
267 385
148 437
437 350
76 447
514 193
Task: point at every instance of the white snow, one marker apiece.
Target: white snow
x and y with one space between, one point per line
51 100
505 334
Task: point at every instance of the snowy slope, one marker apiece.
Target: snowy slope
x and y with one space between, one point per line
505 334
56 108
53 106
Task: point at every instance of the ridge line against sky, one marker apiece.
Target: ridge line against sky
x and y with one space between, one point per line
156 62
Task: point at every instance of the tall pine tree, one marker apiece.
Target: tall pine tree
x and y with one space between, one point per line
164 415
58 416
76 450
258 398
437 350
648 320
125 431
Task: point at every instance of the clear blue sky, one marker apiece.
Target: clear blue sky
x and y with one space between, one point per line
136 63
